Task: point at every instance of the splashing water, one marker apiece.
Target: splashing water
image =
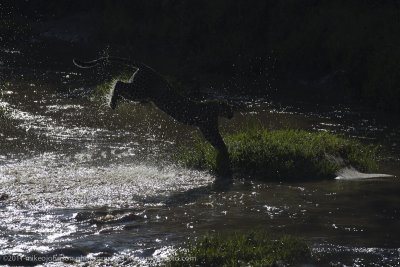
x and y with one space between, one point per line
350 173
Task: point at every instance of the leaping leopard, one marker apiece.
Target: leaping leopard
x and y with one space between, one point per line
146 85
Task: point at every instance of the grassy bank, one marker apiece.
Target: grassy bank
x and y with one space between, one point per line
255 249
284 155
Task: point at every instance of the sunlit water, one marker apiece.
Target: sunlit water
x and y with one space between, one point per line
81 180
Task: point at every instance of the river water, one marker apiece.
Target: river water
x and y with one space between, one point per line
97 185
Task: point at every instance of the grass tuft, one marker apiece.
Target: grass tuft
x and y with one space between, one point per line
284 154
254 249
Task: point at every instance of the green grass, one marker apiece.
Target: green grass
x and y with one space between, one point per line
254 249
284 155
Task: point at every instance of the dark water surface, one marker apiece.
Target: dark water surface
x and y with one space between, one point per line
79 179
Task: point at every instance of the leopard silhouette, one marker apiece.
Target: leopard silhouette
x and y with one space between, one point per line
147 85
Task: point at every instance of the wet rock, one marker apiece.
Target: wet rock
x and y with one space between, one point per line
131 226
109 218
4 196
103 254
129 218
103 219
100 217
83 216
106 230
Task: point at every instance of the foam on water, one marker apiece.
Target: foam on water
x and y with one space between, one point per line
350 173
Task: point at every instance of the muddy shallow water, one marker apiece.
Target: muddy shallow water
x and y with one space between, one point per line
79 179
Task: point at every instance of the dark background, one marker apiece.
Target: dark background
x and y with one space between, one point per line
340 51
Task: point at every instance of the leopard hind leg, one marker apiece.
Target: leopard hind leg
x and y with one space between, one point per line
212 135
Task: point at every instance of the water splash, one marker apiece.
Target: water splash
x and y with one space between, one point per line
350 173
46 182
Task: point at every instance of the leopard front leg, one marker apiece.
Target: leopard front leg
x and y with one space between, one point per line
115 94
129 91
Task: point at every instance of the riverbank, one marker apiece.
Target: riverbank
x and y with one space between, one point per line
251 249
284 155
